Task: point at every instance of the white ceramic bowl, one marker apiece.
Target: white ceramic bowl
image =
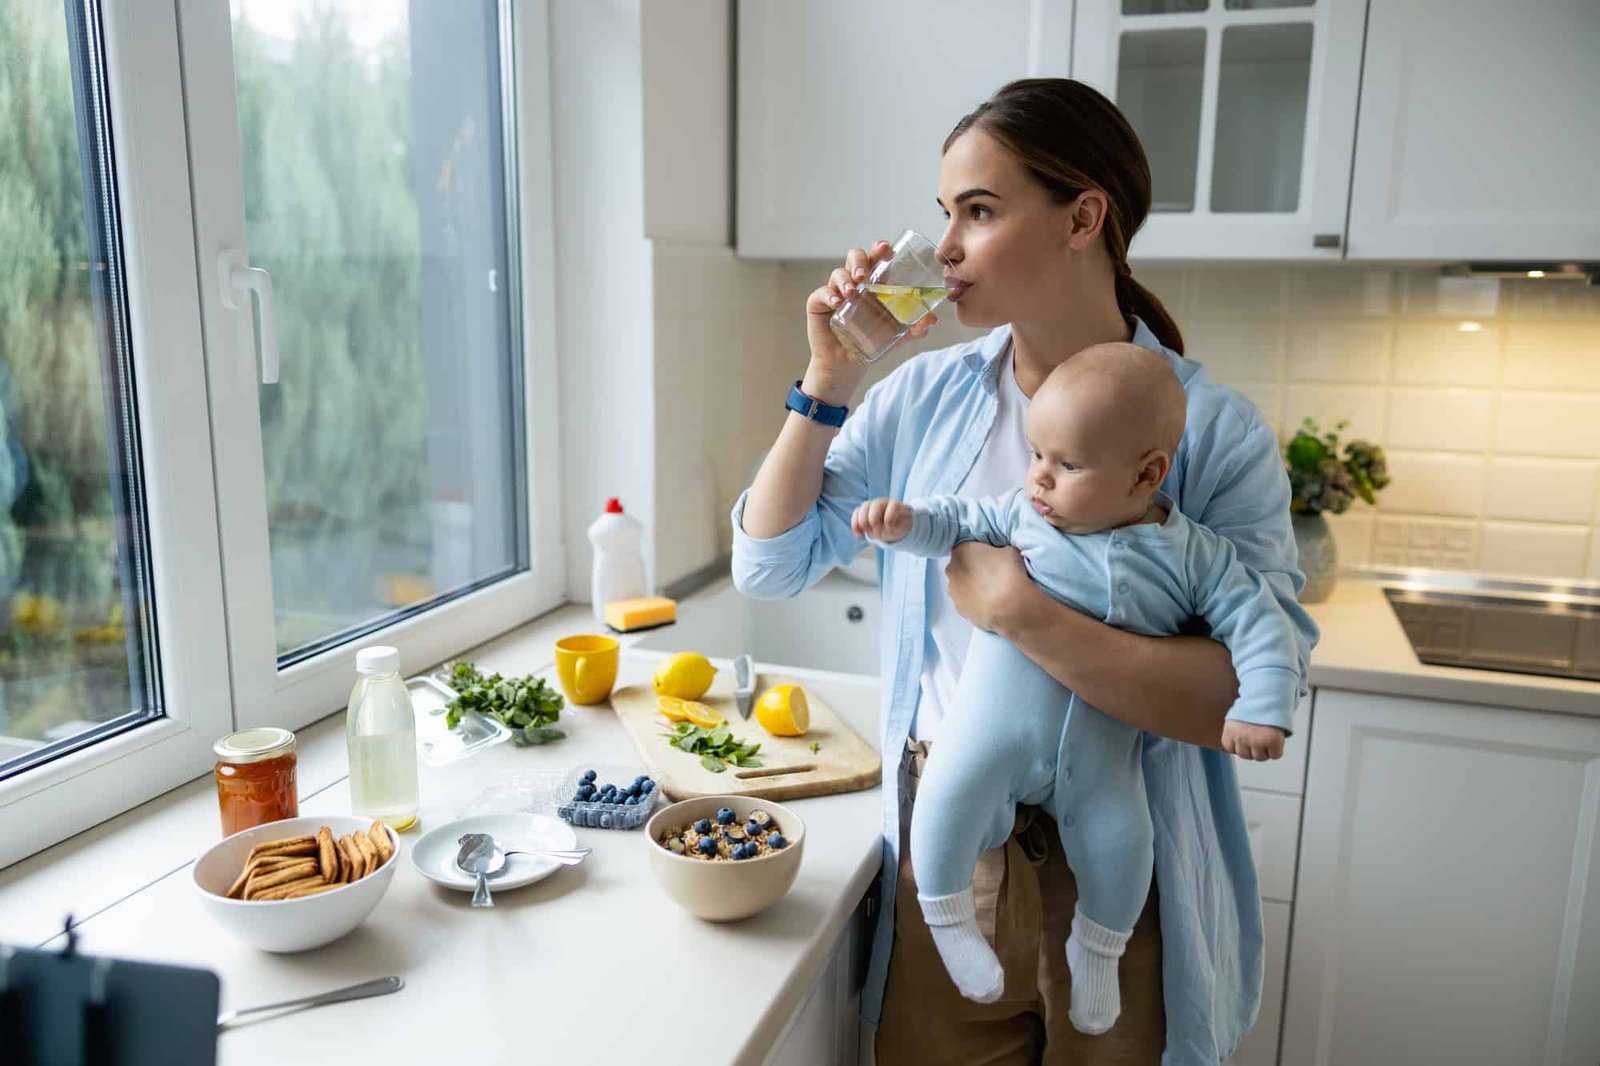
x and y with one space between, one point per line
724 891
287 925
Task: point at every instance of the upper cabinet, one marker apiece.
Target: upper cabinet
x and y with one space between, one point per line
1475 138
1477 133
1247 110
843 107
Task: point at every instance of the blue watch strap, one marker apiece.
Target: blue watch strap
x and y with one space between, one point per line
826 413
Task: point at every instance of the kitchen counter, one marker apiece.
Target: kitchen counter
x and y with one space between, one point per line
592 964
1364 649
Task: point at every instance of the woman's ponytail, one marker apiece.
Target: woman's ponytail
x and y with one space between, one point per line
1135 299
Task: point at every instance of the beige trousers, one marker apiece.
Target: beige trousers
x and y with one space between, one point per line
1025 894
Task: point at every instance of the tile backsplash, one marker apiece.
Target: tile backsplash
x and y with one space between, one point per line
1484 393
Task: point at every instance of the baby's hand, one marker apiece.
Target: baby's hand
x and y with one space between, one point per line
1258 742
883 520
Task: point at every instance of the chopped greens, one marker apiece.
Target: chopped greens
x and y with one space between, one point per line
528 705
718 748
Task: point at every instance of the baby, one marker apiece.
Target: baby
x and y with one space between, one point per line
1095 532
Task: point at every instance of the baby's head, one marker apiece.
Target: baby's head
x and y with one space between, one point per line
1104 427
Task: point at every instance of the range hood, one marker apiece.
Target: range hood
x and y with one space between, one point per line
1588 273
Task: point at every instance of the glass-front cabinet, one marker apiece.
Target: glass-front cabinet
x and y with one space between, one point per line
1247 111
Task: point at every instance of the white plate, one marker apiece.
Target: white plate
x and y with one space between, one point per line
434 853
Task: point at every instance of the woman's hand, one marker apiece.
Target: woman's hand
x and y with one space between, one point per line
882 519
834 374
989 586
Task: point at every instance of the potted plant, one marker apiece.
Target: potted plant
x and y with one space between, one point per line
1325 477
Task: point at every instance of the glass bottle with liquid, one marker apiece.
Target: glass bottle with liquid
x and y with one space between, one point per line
381 734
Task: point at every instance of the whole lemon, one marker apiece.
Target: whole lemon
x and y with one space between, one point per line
684 675
784 711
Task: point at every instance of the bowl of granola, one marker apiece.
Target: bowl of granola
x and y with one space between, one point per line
724 858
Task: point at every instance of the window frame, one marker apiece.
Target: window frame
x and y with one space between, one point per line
180 201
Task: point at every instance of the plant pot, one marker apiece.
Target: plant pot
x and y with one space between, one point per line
1319 556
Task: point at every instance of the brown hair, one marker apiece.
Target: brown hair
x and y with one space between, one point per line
1071 138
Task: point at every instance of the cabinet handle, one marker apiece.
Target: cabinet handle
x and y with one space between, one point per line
1325 240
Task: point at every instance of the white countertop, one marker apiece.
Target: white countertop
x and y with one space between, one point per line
1364 649
594 963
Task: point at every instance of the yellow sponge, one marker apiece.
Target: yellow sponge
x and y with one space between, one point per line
642 613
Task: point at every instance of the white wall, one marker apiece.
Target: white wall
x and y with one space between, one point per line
603 271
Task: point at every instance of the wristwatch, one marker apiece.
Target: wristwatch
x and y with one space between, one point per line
826 413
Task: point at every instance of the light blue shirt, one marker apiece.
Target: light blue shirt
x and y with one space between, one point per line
917 433
1146 578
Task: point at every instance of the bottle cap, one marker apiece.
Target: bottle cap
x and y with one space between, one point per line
378 659
613 506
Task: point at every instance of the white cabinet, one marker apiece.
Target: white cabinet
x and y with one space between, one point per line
1477 131
1247 111
1260 1046
843 108
827 1030
1447 908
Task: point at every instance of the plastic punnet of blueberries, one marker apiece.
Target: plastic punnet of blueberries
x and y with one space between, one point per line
599 804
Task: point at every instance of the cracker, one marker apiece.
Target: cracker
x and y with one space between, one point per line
369 852
352 856
327 864
308 890
283 890
264 879
380 840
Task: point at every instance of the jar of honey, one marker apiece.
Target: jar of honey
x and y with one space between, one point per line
255 775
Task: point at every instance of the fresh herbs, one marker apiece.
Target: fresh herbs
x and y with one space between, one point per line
718 748
526 704
815 747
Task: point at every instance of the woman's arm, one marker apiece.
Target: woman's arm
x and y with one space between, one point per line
1179 687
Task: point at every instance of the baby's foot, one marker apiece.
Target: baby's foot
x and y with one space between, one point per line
970 961
1092 954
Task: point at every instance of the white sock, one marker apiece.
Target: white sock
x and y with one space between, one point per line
971 962
1092 954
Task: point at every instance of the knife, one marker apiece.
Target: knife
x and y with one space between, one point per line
744 673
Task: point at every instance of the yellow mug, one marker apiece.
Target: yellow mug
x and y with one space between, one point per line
587 667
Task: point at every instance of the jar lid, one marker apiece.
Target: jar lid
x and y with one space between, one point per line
378 659
254 745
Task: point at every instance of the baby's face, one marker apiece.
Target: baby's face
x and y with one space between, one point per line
1084 475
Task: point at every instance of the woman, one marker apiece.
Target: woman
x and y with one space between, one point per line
1044 186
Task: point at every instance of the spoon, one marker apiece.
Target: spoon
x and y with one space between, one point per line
481 856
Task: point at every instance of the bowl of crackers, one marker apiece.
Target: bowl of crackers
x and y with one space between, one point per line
299 883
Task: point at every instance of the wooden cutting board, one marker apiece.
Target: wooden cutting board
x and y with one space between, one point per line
843 762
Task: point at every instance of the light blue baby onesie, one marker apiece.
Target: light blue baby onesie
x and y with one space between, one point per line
1016 735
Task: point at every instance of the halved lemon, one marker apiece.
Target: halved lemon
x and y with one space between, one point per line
784 711
701 715
671 707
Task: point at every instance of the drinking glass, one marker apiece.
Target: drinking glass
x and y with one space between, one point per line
895 296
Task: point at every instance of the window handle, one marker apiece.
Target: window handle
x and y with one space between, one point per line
234 277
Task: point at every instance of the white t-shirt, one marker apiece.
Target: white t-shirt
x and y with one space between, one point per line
1001 466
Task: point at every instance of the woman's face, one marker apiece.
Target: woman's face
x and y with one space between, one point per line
1005 248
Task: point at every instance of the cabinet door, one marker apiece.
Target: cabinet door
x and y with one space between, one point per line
1448 901
1477 136
1260 1045
844 107
1247 111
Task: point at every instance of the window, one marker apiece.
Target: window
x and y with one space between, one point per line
192 539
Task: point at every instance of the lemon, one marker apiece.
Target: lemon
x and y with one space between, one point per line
684 675
902 301
783 711
671 707
701 715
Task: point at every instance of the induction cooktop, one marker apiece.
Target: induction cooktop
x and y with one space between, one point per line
1526 634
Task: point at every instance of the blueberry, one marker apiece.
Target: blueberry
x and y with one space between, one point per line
605 821
631 801
725 816
707 846
635 790
753 827
585 791
647 786
777 842
703 826
589 776
742 852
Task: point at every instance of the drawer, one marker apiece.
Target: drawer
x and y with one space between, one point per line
1287 774
1273 822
